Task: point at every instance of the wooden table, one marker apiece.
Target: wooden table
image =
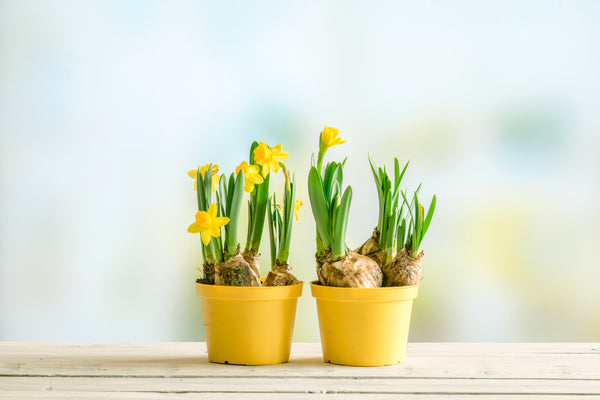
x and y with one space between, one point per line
181 371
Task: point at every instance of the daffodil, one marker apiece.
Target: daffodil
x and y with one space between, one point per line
269 158
192 173
297 205
208 224
251 175
329 137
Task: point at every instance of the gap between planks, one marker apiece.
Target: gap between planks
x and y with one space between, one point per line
332 385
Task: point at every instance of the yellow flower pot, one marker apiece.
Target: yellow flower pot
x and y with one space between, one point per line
364 327
248 325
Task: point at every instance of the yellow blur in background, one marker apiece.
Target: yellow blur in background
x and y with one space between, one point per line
104 107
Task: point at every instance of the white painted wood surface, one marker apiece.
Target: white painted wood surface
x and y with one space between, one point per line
181 371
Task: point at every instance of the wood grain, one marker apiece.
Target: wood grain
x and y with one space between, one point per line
181 370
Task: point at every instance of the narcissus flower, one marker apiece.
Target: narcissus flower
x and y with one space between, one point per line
251 175
215 179
329 137
297 205
208 224
269 158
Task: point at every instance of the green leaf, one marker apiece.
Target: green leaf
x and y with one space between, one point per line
252 148
429 216
399 177
222 195
418 219
208 186
341 224
230 187
319 206
200 192
408 206
222 200
259 208
234 207
400 237
284 247
272 230
249 231
329 178
375 176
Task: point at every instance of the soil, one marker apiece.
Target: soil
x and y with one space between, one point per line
353 270
208 272
281 275
404 270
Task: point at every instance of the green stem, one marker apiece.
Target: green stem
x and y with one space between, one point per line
320 159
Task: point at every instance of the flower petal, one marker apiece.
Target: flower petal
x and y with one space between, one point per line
274 165
193 228
221 221
205 236
255 178
193 173
212 210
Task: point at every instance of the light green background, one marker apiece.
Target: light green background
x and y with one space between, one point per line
105 105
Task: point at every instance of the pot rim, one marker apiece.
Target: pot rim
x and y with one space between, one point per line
393 293
249 292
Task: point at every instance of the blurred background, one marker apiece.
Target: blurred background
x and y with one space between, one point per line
105 105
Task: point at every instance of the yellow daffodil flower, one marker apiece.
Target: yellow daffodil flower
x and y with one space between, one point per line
215 179
269 158
251 175
329 137
208 224
297 205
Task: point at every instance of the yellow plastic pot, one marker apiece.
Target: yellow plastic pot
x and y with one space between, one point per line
248 325
363 326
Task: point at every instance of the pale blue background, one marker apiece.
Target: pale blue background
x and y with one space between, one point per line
104 106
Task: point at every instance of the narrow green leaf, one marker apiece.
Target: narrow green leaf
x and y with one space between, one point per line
252 148
230 187
200 191
208 186
272 231
222 196
429 216
234 207
400 237
341 224
399 177
319 206
375 175
417 221
259 210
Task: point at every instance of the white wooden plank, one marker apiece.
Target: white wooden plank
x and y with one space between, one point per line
269 396
189 359
304 385
414 348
